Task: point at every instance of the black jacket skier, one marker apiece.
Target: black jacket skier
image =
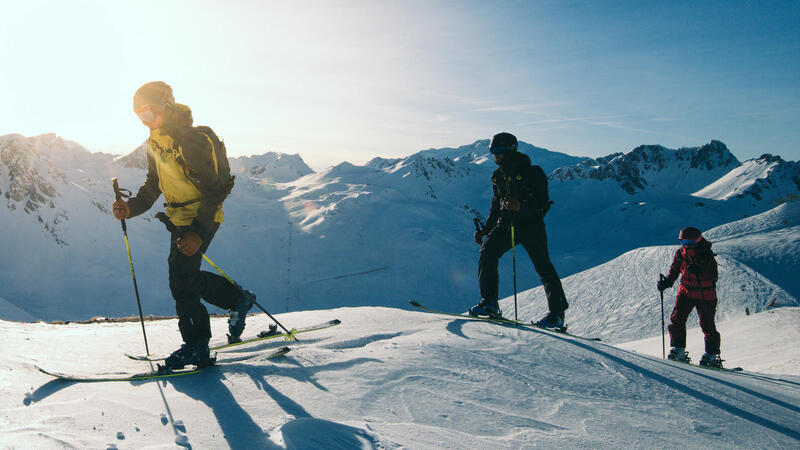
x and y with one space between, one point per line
520 201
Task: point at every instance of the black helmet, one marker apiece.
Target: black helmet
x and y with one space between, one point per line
690 236
503 142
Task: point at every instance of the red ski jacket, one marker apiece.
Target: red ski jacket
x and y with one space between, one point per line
698 270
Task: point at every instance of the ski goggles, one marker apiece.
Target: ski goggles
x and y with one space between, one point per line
146 115
689 241
500 149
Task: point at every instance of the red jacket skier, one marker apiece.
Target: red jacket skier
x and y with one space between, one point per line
695 264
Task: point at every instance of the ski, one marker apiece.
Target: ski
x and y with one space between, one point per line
722 369
157 374
260 337
501 320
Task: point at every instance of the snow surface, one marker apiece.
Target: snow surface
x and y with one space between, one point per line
764 342
387 378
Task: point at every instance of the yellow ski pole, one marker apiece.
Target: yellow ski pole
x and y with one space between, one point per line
119 195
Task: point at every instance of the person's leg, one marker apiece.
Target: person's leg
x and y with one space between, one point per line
534 239
183 273
213 288
496 244
706 311
677 327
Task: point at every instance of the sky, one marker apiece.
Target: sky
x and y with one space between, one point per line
351 80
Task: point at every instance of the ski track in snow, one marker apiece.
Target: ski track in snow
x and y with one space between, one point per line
387 378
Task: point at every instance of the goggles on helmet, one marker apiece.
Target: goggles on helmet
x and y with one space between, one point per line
499 149
146 116
689 241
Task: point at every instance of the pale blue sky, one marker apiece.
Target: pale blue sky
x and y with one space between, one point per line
350 80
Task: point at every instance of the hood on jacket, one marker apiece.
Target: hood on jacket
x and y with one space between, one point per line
177 116
515 159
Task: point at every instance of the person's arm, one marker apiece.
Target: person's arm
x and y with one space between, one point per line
148 193
675 268
494 213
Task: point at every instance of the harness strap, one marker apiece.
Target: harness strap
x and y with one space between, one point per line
181 204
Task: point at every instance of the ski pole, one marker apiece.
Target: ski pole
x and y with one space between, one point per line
514 268
663 345
478 225
118 193
172 228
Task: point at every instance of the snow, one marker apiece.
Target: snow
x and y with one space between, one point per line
764 342
370 237
736 181
388 378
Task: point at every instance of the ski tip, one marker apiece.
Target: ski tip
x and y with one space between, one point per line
414 303
335 322
279 352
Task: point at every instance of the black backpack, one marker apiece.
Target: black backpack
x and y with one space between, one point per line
224 181
542 193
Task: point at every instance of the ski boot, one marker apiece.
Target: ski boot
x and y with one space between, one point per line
486 308
711 360
273 330
238 315
189 354
679 354
553 321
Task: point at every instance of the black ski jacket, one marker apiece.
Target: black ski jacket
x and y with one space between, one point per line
517 177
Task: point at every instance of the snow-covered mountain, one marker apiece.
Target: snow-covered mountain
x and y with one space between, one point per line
766 180
376 234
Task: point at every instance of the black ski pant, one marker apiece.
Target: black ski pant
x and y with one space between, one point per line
189 284
533 238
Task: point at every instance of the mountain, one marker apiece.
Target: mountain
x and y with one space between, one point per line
278 167
766 180
655 169
376 234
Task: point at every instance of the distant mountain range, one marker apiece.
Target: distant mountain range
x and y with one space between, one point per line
375 234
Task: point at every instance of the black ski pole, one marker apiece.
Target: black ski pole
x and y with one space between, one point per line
663 345
514 268
172 228
118 193
478 225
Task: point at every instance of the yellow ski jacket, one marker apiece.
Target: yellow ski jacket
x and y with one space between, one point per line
167 147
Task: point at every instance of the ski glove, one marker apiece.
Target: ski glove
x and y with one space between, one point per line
121 209
189 244
479 237
663 284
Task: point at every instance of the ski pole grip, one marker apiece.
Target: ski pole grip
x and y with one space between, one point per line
661 277
117 193
167 223
477 223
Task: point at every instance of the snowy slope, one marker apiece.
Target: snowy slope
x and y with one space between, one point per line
618 301
386 378
765 342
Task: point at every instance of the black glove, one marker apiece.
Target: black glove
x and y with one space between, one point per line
479 237
663 284
694 268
